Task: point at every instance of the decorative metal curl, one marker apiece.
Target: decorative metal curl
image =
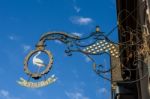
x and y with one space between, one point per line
100 44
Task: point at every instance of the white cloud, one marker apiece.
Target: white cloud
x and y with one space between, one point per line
81 20
1 70
12 37
76 95
39 1
26 47
77 34
75 73
58 42
77 9
87 59
4 94
36 91
39 93
102 90
74 1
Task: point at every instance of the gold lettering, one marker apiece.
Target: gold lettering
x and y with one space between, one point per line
42 83
25 83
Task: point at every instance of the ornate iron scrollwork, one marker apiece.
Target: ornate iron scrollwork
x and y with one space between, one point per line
99 44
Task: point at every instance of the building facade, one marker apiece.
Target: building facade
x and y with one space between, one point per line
134 61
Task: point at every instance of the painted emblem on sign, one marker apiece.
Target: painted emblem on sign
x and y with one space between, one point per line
38 70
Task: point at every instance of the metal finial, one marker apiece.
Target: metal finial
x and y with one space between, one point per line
97 29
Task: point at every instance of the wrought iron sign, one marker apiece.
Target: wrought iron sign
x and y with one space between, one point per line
99 44
38 62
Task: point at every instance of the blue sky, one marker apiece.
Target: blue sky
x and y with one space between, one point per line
22 22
